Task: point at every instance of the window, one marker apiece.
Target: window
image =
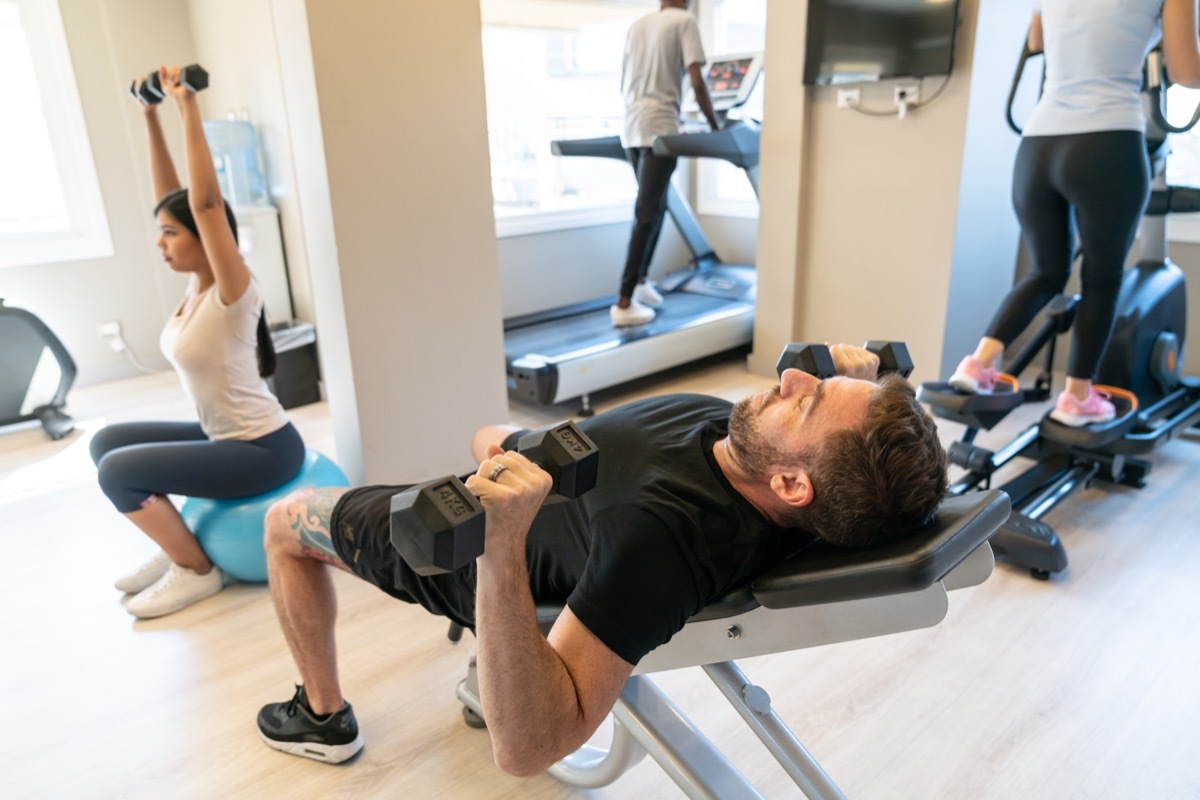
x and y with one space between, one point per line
1183 163
50 204
552 70
733 26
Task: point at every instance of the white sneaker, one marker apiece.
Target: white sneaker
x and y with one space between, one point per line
647 295
636 314
178 588
144 575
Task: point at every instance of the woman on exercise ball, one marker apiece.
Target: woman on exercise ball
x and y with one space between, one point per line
217 340
1083 152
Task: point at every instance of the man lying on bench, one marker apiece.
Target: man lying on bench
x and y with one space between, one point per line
694 497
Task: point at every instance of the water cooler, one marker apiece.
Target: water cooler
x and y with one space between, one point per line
239 167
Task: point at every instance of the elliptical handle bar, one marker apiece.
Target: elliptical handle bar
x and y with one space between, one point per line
1157 83
1026 54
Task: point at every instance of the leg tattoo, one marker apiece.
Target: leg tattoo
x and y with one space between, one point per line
309 517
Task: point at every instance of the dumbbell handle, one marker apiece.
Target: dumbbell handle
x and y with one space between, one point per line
438 526
433 504
150 91
817 359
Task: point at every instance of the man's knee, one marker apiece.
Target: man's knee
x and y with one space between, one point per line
280 534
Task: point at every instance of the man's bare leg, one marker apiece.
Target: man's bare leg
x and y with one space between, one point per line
298 545
489 435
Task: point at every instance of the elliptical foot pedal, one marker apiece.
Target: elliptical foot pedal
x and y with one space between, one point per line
1100 434
982 411
1030 543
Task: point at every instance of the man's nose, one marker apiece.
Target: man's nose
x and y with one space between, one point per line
796 382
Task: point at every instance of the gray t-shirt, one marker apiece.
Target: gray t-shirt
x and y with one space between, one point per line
658 51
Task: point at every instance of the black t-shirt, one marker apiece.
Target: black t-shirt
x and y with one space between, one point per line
661 535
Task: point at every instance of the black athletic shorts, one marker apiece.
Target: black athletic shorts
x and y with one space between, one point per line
360 526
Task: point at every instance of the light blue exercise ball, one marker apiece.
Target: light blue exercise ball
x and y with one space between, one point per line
231 531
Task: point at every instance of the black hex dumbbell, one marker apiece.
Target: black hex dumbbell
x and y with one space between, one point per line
893 356
438 526
150 91
816 360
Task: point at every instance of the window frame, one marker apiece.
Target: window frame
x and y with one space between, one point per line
87 235
708 200
560 219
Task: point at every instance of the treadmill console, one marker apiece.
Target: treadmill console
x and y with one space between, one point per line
730 80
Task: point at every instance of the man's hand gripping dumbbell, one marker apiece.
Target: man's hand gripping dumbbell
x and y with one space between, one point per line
438 526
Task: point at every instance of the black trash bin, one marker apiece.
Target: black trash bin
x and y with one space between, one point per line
296 377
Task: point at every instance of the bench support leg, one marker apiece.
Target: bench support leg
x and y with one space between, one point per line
754 705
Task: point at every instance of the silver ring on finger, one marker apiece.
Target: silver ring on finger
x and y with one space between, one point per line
496 472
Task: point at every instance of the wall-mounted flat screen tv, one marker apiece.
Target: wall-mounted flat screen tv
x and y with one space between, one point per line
850 41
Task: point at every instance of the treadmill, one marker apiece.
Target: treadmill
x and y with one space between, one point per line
565 353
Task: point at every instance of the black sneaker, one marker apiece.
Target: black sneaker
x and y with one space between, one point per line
293 728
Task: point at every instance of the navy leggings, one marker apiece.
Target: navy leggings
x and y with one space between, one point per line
653 178
139 460
1104 178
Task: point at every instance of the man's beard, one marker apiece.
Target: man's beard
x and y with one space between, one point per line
749 447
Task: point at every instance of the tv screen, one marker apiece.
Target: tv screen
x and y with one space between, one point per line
849 41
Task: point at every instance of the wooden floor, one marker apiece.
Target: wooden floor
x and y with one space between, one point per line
1086 686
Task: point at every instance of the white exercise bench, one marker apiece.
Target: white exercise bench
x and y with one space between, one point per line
825 595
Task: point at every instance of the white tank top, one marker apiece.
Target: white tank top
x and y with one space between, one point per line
214 349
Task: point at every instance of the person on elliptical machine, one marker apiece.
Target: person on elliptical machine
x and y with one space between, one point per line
1082 164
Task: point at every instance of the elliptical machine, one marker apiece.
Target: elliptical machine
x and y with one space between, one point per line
26 342
1142 367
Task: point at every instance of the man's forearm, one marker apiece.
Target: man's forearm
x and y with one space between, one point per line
706 107
529 698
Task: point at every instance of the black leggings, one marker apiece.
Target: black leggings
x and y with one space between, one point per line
653 179
1104 178
139 460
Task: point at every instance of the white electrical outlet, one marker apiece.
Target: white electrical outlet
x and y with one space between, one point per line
848 98
109 330
907 94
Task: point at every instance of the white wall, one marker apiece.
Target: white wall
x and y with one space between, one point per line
411 206
864 218
110 43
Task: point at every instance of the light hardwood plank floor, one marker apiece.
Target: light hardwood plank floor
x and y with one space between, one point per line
1080 687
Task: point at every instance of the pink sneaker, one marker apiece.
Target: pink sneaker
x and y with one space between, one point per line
1097 408
972 377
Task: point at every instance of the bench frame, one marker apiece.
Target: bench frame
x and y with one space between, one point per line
645 721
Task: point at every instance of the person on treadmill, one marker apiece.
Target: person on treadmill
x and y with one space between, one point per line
659 49
694 496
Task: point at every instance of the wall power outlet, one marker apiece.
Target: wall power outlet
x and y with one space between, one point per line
907 94
849 98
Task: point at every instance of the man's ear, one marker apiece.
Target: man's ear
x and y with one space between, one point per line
793 486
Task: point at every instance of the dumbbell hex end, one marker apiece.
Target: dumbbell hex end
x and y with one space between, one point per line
437 527
567 454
